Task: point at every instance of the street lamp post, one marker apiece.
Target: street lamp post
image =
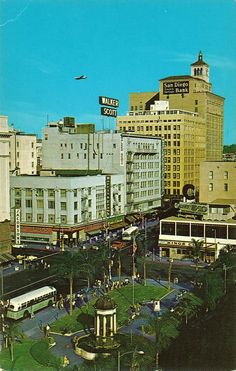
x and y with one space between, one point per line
141 352
225 277
169 272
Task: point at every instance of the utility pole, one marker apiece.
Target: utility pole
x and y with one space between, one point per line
145 251
225 278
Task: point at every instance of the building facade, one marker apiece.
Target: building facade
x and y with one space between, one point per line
218 182
5 240
176 234
23 156
183 135
187 94
87 178
71 204
137 157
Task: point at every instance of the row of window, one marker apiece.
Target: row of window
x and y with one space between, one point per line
63 192
225 187
211 174
197 230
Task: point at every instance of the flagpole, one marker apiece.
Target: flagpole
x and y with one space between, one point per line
134 250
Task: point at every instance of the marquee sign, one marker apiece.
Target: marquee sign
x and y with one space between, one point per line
17 226
108 195
193 208
176 87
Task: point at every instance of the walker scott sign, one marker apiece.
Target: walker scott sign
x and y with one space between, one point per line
111 102
176 87
112 112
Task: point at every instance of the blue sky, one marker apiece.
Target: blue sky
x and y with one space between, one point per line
122 46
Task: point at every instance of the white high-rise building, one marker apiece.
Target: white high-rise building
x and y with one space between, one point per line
4 170
5 238
88 177
23 155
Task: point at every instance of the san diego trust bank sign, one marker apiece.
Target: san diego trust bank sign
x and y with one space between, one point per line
176 87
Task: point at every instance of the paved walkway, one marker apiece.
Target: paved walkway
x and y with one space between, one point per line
64 346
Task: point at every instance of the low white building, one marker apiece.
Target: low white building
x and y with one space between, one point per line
67 146
176 234
72 204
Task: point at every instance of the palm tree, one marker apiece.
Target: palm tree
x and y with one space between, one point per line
197 246
88 264
69 266
12 332
190 304
105 259
165 330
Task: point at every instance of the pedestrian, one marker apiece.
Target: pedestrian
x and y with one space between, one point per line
66 361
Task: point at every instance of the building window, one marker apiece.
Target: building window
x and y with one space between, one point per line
51 218
210 174
85 156
51 193
63 193
28 192
39 217
63 218
226 174
75 218
168 228
29 217
62 156
18 203
28 203
75 205
51 204
226 187
63 205
39 204
210 187
182 229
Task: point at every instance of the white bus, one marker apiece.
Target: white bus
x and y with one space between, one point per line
130 233
26 305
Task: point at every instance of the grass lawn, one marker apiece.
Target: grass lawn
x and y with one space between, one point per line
123 298
23 360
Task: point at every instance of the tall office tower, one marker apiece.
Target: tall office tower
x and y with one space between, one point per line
188 116
5 241
183 133
194 93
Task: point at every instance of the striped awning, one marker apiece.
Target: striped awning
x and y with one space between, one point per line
6 257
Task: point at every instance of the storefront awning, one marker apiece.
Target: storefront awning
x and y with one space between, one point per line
117 226
94 233
6 257
130 219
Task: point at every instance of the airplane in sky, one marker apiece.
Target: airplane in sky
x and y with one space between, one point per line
82 77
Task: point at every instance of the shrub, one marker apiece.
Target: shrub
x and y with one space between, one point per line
39 351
